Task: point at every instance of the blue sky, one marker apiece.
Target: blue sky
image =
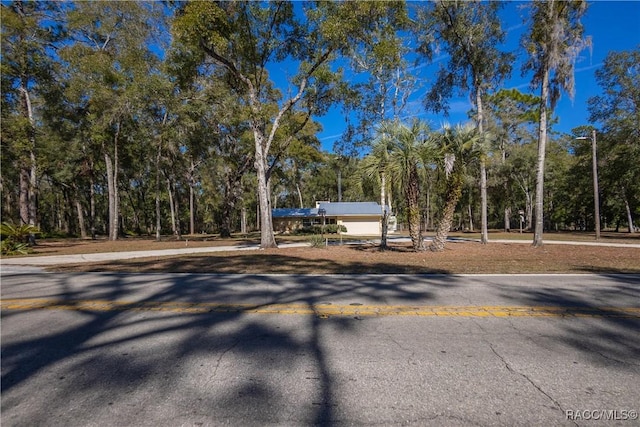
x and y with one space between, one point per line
612 25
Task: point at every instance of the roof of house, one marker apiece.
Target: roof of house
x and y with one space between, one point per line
332 209
293 213
351 208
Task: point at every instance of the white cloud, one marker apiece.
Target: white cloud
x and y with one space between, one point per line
459 106
590 67
326 138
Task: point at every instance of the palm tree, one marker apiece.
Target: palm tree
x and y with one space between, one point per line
407 146
459 146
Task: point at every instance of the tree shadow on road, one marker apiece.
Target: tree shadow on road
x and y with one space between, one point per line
614 337
99 359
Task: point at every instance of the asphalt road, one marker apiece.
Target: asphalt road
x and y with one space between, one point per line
188 349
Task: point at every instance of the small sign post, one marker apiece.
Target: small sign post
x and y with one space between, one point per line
521 212
322 213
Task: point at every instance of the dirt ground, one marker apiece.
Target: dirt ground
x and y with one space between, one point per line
458 257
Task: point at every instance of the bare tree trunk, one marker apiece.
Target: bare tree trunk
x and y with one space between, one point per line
136 217
176 205
158 186
529 208
58 214
28 212
524 186
83 231
243 220
258 216
628 209
92 205
8 201
192 196
158 220
32 158
383 185
192 210
470 218
24 196
267 238
80 212
385 229
33 200
116 197
484 239
65 207
339 186
542 146
174 228
300 202
111 193
112 185
385 213
228 206
389 198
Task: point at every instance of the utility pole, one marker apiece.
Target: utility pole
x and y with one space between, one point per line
596 192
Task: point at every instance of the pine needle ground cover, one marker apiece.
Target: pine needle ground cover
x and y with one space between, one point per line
459 257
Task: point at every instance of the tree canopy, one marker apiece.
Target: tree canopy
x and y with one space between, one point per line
174 118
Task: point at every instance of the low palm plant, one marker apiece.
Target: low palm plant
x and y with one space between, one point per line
15 239
317 241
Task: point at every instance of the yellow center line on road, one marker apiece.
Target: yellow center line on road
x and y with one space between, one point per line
322 310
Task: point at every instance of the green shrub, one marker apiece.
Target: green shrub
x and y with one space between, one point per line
317 229
55 234
333 229
15 239
304 231
9 247
317 241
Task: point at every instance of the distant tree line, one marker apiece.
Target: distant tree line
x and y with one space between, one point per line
156 118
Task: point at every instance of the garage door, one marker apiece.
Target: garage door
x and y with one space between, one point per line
361 227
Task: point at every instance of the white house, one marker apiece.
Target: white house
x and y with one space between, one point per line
359 218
